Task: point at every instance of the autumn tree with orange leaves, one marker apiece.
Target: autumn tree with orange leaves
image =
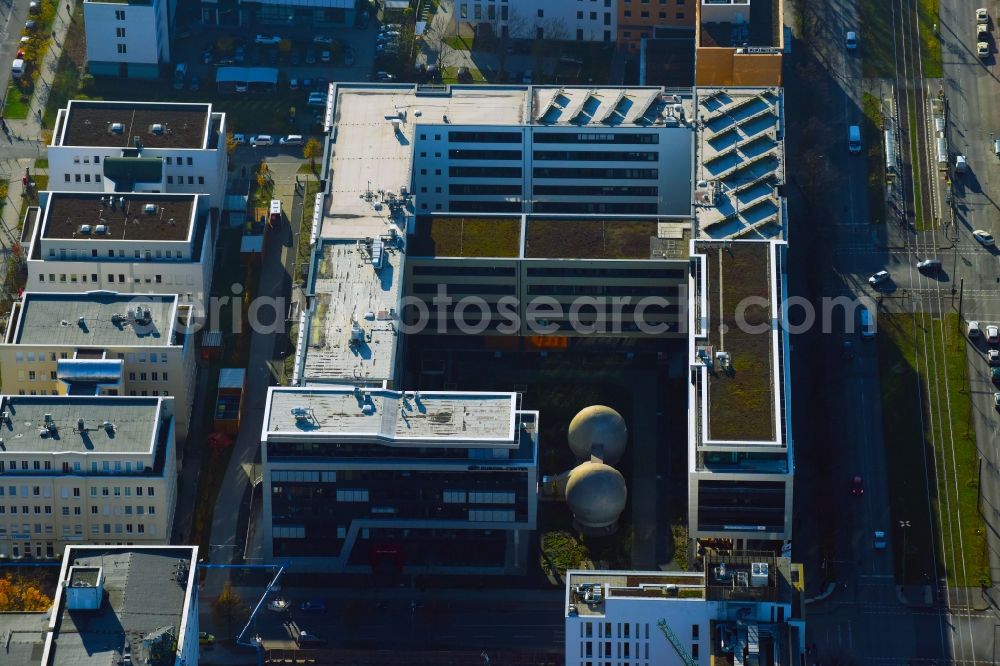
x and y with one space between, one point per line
19 594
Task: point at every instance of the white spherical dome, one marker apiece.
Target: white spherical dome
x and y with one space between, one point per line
596 494
601 428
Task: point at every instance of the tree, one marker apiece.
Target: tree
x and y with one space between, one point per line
311 151
504 32
230 143
21 594
228 608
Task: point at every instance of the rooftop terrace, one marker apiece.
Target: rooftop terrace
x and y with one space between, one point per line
350 290
144 607
92 319
720 26
394 418
606 239
134 424
650 585
171 217
740 162
116 124
466 237
741 399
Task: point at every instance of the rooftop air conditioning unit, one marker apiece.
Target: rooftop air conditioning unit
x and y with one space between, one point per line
117 128
84 228
101 229
149 209
157 128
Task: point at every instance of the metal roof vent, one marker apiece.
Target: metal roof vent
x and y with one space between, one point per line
84 228
101 229
157 128
116 128
149 209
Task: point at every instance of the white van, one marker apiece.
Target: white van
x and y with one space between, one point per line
292 140
262 140
17 68
854 139
867 323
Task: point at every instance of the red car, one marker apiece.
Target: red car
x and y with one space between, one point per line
20 54
857 486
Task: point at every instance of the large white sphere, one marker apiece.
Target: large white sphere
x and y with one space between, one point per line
596 494
601 427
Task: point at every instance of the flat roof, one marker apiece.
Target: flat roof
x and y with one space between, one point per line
605 107
762 28
171 219
89 123
348 287
597 238
441 236
651 585
134 424
369 156
739 280
339 412
53 319
740 163
146 591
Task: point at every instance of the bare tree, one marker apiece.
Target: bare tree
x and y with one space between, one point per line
504 29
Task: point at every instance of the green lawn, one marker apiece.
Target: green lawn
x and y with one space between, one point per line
873 139
14 108
901 365
459 43
915 162
42 163
930 44
450 75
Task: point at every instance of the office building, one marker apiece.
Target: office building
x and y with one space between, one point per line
150 147
746 608
125 604
367 479
740 445
85 469
100 343
638 20
129 39
277 14
136 242
541 19
739 42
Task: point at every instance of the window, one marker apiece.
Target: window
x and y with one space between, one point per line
628 14
120 32
593 16
149 491
694 651
190 180
190 161
170 179
170 161
644 14
579 34
66 176
541 13
579 15
663 15
76 177
121 48
201 180
694 632
119 14
607 18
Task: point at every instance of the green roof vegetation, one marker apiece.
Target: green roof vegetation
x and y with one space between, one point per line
466 237
590 239
740 401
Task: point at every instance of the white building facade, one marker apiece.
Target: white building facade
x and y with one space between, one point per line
141 243
139 146
128 39
113 480
543 19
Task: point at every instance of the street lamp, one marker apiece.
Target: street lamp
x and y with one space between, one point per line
904 525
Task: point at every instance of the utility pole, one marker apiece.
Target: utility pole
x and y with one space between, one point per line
961 292
905 525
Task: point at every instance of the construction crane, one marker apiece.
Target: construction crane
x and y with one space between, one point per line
675 642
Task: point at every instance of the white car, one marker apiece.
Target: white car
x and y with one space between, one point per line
992 335
996 400
852 40
993 357
982 49
322 39
879 542
982 16
973 329
878 278
984 237
278 605
239 138
269 40
292 140
325 56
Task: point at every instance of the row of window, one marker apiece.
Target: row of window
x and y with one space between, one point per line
106 491
646 2
97 178
130 357
74 278
593 17
107 467
136 254
47 510
17 529
645 14
108 392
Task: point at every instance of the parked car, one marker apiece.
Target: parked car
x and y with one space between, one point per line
239 138
261 140
390 27
30 24
205 638
857 486
322 39
995 375
207 56
879 278
996 401
33 7
878 541
295 57
316 99
313 605
292 140
984 237
279 605
852 40
527 77
195 83
310 57
307 640
464 75
992 335
239 54
348 56
269 40
325 56
384 77
241 87
847 350
993 357
386 35
293 84
972 329
982 15
983 49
